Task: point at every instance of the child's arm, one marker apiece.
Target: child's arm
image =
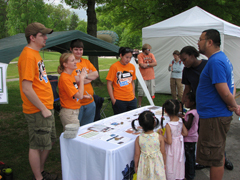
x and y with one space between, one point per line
184 130
188 123
137 154
162 148
168 139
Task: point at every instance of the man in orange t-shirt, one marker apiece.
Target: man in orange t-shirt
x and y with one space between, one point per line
146 61
37 96
88 106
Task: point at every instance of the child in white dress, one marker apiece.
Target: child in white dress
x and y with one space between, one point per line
149 155
174 143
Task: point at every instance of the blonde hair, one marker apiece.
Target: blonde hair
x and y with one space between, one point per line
63 59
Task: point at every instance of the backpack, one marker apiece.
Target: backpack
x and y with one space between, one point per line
179 62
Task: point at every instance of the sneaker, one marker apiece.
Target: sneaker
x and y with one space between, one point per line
48 176
228 164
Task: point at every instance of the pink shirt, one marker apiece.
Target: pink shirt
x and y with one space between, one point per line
192 133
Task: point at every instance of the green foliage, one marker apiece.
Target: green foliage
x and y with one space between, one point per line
82 26
3 18
73 22
127 38
20 13
135 14
131 39
58 17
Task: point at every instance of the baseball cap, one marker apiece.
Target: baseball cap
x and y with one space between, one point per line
34 28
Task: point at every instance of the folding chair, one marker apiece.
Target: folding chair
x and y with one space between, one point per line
54 83
105 105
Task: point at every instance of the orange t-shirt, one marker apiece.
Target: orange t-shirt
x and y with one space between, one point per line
31 68
122 77
147 73
87 87
67 89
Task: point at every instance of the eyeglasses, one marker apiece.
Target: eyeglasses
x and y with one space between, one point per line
201 40
149 49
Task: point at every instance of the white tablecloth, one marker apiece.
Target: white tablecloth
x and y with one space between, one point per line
87 159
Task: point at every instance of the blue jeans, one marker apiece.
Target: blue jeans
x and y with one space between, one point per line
87 113
123 106
190 160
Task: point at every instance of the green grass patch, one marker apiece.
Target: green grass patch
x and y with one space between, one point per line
51 62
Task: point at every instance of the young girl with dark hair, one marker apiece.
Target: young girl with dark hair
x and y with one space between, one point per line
150 154
173 137
191 123
120 83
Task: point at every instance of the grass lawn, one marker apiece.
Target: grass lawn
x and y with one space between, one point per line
51 62
13 127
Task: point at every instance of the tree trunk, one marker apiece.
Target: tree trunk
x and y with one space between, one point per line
92 30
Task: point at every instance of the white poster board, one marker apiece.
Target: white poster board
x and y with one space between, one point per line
3 84
141 81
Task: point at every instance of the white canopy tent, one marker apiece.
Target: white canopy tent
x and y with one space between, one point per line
185 29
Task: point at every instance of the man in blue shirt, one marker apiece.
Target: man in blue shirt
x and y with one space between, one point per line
214 97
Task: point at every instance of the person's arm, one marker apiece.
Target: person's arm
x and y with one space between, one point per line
162 148
110 91
186 90
92 75
168 139
79 94
133 84
226 95
152 64
136 154
188 124
184 131
33 98
234 91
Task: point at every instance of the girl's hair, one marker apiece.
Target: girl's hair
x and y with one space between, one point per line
171 107
191 97
147 121
77 43
125 50
181 104
176 52
63 59
190 50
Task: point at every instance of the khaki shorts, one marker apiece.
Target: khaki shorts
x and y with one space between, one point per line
41 131
150 85
69 116
212 140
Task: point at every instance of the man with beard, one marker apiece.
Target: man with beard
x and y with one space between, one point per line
214 98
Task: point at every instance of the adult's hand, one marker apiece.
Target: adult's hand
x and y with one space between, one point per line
46 113
237 110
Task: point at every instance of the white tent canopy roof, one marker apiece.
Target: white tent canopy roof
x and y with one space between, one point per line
190 23
183 30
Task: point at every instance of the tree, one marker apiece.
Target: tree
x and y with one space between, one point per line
73 22
3 18
20 13
91 24
58 17
82 26
138 14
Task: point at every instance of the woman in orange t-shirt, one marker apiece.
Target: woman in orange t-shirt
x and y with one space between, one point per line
69 91
120 83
